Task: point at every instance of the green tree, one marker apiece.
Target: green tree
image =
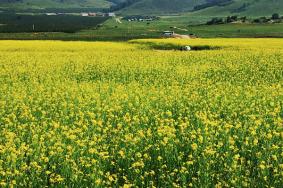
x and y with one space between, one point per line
275 16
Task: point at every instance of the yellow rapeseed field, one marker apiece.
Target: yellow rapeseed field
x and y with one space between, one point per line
141 113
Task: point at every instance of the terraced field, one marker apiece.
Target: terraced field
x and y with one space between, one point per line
141 113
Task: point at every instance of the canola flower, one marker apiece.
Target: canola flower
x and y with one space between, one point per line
74 114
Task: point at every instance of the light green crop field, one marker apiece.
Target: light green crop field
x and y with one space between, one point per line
111 30
141 113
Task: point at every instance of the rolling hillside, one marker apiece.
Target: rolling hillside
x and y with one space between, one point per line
252 8
61 4
206 7
161 6
158 7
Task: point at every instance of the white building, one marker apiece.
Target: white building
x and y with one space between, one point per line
84 14
111 14
51 14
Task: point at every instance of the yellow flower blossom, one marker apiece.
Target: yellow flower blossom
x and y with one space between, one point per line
74 114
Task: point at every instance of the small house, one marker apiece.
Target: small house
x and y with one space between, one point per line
100 14
93 14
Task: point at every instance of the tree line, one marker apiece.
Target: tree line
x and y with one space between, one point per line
275 18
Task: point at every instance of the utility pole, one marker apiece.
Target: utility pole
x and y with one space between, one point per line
33 27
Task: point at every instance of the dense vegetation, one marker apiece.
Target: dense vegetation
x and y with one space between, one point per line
78 114
14 23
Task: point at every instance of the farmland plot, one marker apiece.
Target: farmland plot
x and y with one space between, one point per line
102 114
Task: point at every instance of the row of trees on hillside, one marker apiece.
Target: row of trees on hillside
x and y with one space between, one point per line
230 19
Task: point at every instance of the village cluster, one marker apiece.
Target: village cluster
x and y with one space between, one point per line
140 18
85 14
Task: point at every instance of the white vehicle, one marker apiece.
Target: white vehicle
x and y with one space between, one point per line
168 33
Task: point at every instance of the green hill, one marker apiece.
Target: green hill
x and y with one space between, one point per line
253 8
206 7
158 7
161 6
60 4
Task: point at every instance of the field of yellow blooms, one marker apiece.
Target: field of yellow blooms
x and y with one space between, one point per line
141 113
